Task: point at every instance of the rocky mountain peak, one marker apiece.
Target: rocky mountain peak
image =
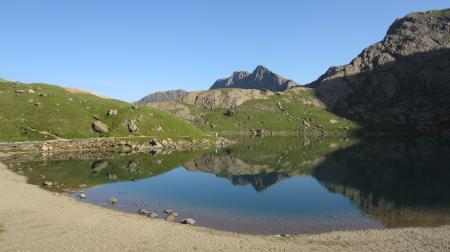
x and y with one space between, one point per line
261 78
238 75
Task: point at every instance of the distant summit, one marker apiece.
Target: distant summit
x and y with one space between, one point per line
260 78
165 96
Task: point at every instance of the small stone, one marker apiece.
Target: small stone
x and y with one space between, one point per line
38 104
113 200
134 107
48 183
158 129
20 91
168 211
82 196
112 176
188 221
171 218
229 112
332 121
142 211
155 143
153 215
31 91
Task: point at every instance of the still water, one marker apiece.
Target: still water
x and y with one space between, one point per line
270 185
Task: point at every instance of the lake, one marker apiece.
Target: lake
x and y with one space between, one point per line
283 185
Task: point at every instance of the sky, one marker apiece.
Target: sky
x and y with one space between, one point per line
128 49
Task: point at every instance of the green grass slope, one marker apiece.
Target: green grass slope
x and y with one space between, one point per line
49 112
289 111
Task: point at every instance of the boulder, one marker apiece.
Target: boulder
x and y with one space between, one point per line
132 126
153 215
99 165
112 112
99 127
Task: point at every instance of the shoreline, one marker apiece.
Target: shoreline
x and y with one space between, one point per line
37 220
109 144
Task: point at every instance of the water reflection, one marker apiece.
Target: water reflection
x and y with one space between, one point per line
273 185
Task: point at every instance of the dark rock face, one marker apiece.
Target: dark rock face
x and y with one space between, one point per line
261 78
166 96
401 83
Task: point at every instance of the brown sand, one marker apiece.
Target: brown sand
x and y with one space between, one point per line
37 220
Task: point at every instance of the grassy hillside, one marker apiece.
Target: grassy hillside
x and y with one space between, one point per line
293 110
41 111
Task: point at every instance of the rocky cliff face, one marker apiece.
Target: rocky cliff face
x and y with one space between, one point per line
261 78
401 83
165 96
223 98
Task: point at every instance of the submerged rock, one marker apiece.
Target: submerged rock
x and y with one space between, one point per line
82 196
113 200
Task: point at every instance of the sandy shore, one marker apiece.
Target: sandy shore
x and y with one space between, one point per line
37 220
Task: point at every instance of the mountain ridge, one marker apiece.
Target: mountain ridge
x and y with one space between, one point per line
399 83
261 78
162 96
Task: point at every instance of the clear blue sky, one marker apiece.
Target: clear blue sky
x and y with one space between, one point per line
126 49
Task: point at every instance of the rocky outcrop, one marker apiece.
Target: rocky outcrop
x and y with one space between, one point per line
165 96
261 78
400 83
223 98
